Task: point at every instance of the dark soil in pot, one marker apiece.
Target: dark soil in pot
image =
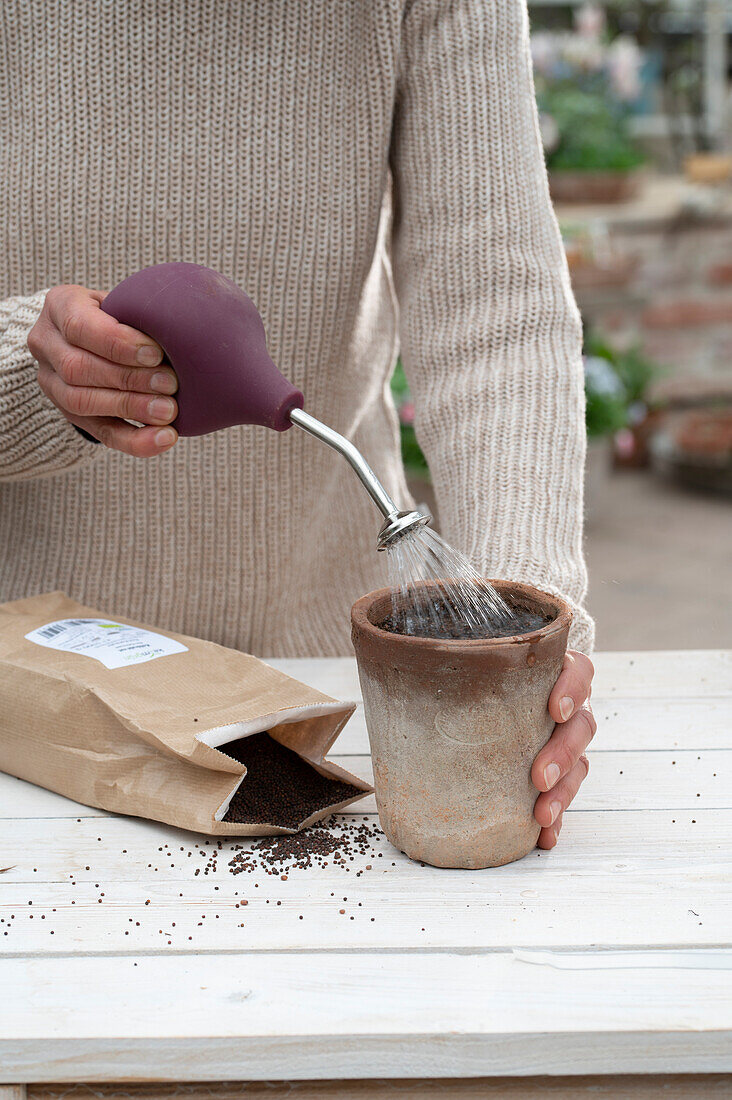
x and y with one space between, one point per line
524 620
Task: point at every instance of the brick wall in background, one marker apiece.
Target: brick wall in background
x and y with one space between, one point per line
663 282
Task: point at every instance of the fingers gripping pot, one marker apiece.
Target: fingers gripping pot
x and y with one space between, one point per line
454 728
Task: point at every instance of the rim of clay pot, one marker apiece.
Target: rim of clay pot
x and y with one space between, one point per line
364 612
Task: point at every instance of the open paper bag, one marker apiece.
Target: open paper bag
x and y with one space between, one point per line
136 720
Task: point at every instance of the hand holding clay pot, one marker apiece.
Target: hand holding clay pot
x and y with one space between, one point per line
455 727
101 374
561 766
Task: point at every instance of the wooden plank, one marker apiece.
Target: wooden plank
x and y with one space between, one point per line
666 675
629 780
12 1092
628 725
637 879
638 675
635 1087
660 724
676 779
336 676
21 799
198 1018
622 724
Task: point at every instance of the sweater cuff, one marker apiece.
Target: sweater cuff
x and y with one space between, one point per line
582 630
35 438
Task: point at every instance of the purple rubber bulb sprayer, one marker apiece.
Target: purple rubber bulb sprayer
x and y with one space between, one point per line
213 337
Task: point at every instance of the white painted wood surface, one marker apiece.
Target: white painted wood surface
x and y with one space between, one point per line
326 1015
95 984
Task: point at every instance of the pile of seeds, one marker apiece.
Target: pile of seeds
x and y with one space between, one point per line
280 788
320 846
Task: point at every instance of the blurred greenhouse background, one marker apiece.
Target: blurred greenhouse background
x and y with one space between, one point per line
635 101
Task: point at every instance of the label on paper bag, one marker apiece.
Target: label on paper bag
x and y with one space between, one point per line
114 644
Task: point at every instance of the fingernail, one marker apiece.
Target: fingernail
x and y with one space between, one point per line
163 382
556 833
555 808
566 706
165 438
551 775
148 355
161 408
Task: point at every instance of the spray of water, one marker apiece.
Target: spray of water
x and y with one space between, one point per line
456 603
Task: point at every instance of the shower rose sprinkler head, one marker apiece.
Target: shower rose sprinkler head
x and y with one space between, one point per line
396 526
214 339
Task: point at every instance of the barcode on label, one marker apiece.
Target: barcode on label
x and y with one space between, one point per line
51 630
58 628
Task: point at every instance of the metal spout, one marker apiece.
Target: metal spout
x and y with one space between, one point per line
397 522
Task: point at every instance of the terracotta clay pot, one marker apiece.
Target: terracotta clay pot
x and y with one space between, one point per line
454 728
568 186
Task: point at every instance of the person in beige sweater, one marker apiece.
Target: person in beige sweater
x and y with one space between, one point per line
371 173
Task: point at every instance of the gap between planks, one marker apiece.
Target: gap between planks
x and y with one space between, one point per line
109 816
636 1087
422 951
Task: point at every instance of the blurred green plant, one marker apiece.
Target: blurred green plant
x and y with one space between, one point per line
592 130
414 461
635 371
616 385
588 82
604 405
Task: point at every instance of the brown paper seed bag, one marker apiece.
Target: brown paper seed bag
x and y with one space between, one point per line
131 719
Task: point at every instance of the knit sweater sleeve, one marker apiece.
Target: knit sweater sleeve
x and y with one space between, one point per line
35 439
489 331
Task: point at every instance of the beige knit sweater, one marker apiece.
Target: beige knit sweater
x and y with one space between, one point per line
259 138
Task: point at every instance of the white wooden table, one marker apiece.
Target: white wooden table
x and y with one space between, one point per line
610 954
